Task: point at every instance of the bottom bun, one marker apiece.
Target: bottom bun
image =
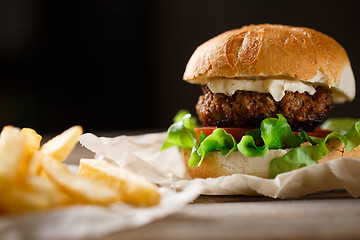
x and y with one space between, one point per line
216 165
337 150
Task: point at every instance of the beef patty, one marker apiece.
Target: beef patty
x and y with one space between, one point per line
247 109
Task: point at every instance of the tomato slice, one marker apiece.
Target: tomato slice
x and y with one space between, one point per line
237 133
318 132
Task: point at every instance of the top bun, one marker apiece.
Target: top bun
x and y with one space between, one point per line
270 51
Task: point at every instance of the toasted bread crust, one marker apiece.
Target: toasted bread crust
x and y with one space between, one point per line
272 51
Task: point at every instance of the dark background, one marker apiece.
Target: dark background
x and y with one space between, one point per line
118 65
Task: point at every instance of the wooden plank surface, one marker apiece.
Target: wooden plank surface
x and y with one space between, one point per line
328 215
238 217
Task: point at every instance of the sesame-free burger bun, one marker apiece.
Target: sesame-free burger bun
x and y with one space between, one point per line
274 52
216 165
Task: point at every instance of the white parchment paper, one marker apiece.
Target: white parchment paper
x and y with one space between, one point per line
141 154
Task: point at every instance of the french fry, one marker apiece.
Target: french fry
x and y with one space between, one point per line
82 190
3 182
18 200
34 167
61 146
12 146
34 178
32 144
15 199
131 188
32 141
44 186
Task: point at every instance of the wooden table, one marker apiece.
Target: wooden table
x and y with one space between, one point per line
330 215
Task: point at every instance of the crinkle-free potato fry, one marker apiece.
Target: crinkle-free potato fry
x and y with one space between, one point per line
3 182
12 151
34 178
18 200
34 167
32 144
32 140
131 188
81 189
23 185
61 146
45 186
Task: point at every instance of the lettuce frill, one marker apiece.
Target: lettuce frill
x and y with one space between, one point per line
274 133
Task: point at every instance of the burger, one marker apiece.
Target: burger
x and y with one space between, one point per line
267 90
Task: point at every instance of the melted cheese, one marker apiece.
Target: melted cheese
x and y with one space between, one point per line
276 87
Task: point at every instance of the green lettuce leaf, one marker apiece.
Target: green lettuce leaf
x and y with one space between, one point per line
181 133
255 133
353 137
181 114
277 133
300 156
303 156
340 125
202 136
219 140
307 138
248 147
274 133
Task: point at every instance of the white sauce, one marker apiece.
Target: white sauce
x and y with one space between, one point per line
276 87
341 91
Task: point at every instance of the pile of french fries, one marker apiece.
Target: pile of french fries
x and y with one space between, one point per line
34 177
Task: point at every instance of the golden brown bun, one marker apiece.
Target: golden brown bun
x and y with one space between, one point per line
273 51
337 150
215 165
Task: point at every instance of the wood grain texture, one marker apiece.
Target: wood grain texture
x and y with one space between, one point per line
260 219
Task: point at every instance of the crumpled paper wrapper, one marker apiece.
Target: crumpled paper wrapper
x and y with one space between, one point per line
89 221
142 154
